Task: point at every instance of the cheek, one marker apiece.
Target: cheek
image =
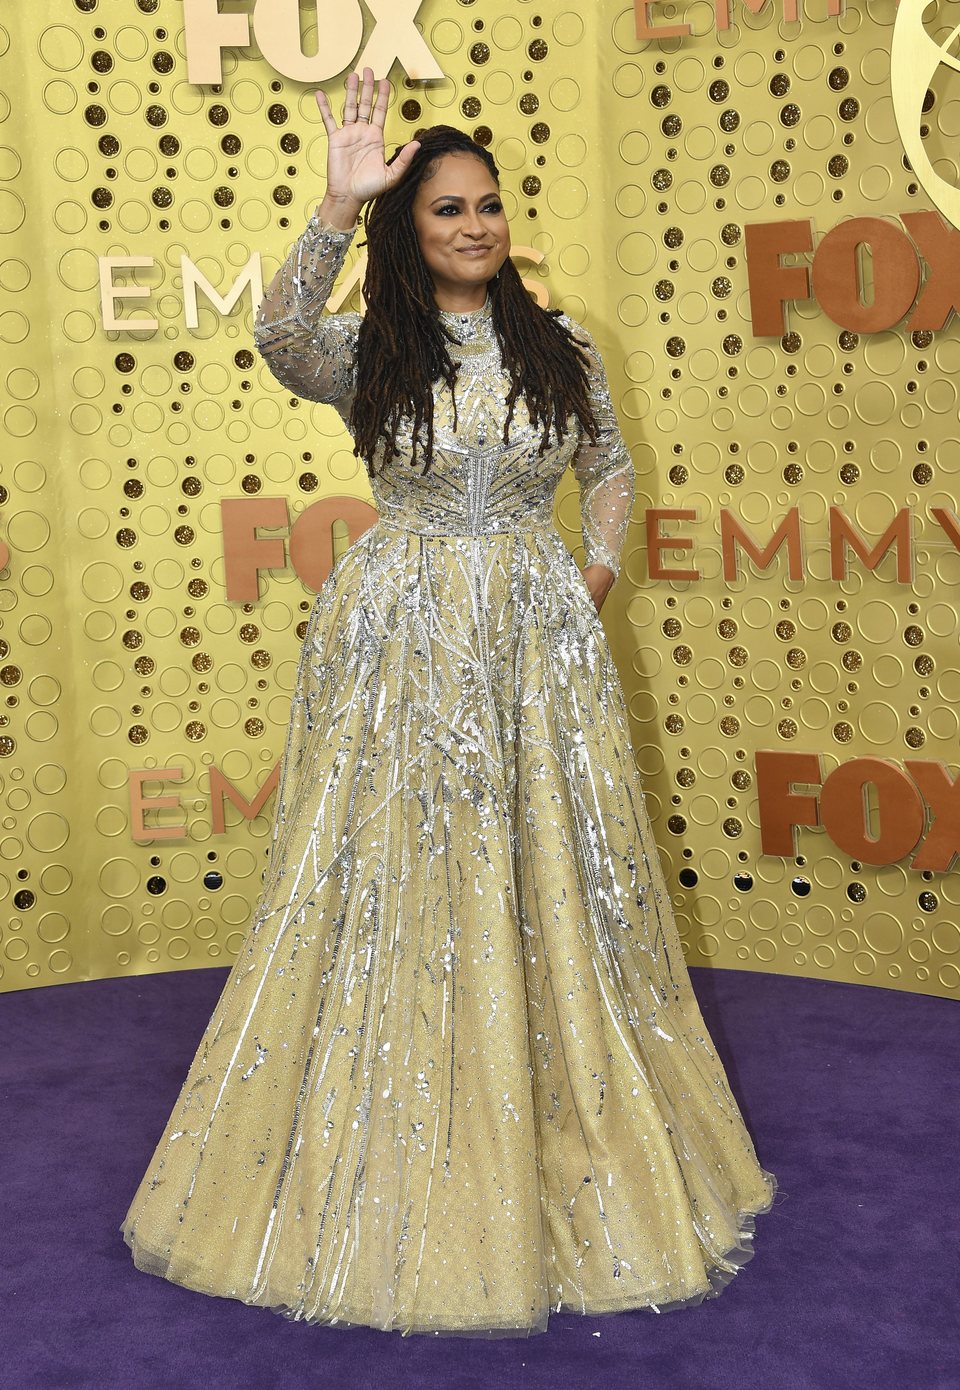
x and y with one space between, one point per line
503 239
427 229
428 240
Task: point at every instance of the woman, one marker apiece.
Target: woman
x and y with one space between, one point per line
457 1076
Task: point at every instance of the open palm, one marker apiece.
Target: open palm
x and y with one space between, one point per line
356 159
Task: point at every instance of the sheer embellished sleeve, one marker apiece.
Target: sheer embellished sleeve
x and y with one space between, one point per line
309 351
604 471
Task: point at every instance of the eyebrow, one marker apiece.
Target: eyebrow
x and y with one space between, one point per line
456 198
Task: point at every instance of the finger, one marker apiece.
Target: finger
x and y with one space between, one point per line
350 100
366 95
403 160
383 99
327 116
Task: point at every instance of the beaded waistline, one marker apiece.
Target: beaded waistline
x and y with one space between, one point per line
476 532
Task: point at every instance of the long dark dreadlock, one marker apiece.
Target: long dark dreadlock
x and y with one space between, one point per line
402 348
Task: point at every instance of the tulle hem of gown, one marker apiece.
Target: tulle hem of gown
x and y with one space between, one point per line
717 1276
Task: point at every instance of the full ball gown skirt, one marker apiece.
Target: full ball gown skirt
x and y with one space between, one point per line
457 1077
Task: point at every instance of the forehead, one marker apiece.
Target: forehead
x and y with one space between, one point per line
457 174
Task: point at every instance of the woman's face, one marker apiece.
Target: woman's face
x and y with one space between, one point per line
462 230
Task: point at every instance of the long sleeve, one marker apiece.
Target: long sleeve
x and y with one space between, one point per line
604 472
309 351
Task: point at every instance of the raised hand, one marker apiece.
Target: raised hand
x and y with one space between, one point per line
356 165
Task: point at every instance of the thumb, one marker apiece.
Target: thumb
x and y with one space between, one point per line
403 160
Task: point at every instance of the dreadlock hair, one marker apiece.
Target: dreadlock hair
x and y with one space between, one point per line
402 348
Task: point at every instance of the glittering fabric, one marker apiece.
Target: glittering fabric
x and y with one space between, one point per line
474 484
457 1076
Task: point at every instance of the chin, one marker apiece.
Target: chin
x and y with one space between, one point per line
475 275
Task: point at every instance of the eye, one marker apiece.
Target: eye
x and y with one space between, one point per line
447 207
495 206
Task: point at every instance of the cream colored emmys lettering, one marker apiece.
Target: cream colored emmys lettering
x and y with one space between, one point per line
193 279
112 294
276 23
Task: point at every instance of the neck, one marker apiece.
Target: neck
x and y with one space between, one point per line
462 299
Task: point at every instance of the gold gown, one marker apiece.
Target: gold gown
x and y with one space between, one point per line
457 1077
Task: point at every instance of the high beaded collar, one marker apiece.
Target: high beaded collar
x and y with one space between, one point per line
473 330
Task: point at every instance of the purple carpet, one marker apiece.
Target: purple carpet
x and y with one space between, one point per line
850 1093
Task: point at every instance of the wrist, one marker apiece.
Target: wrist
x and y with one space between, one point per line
339 210
611 573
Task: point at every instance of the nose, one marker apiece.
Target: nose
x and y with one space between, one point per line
473 227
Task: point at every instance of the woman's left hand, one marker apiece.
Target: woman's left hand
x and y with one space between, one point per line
599 580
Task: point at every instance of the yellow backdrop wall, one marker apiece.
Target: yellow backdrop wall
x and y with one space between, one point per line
633 167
